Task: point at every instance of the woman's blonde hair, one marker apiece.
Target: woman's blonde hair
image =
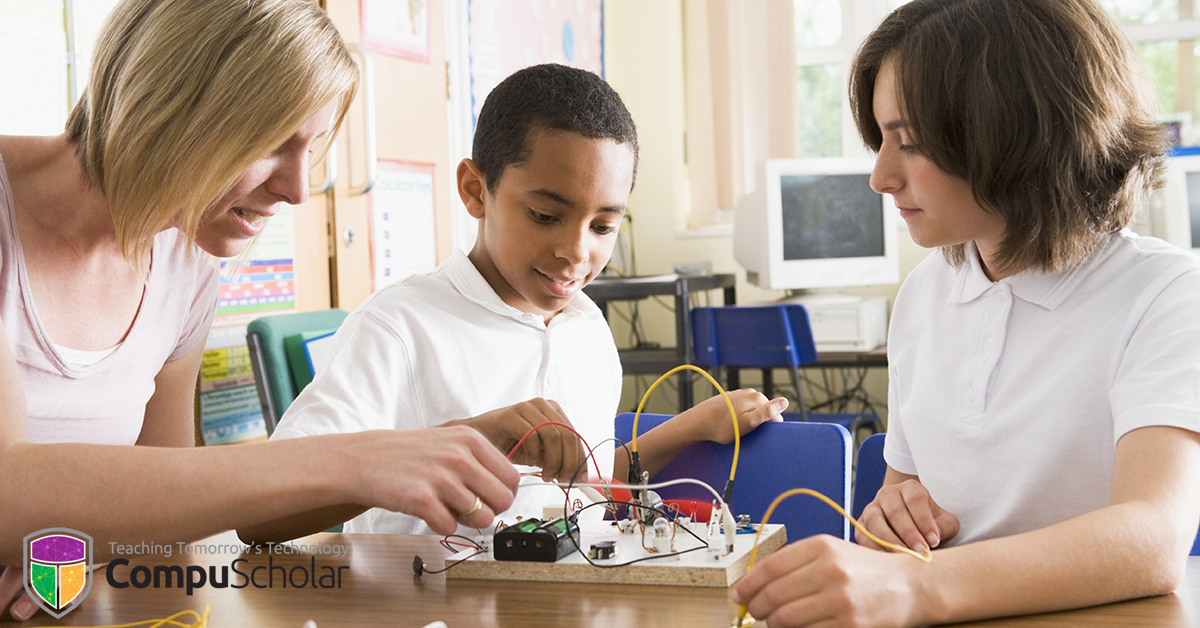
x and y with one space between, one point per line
185 95
1040 105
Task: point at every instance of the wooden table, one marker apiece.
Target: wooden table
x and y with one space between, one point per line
379 589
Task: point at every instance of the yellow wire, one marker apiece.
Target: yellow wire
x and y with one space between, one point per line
737 437
202 621
926 557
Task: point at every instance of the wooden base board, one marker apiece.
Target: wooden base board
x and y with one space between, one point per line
695 569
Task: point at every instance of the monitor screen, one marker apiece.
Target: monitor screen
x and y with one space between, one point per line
827 216
1173 211
817 224
1193 203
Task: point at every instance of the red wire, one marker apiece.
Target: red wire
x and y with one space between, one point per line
535 428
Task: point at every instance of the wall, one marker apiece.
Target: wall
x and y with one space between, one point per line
645 63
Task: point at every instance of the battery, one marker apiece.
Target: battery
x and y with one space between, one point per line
536 540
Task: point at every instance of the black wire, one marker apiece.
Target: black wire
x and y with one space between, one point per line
425 570
661 511
575 516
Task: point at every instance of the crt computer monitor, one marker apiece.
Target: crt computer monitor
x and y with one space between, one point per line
816 224
1174 210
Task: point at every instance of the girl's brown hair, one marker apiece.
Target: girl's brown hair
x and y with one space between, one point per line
1040 105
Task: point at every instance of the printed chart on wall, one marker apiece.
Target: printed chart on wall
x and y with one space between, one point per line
397 27
229 408
507 35
403 231
265 283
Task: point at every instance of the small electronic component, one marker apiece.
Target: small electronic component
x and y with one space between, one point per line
662 536
603 550
536 540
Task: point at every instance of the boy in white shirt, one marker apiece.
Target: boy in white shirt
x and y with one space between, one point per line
507 326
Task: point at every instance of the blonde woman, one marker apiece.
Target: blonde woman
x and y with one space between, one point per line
201 120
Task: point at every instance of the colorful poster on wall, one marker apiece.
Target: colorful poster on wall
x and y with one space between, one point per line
397 27
507 35
230 411
403 230
266 282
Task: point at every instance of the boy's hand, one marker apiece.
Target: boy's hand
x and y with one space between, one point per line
556 450
905 514
710 418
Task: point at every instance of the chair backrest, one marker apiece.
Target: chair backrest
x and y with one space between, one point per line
753 336
774 458
869 472
272 371
868 477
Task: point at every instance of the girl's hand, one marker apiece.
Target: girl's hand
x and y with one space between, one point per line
824 581
905 514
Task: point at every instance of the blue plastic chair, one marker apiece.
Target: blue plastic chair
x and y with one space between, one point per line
868 478
765 337
868 475
774 458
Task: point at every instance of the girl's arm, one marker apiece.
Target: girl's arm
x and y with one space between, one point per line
1135 547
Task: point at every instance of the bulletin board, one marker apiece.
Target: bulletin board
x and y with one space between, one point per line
403 221
507 35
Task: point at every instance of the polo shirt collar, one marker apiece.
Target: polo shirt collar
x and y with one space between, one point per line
1047 290
469 282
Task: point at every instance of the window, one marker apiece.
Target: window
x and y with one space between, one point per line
1166 32
829 31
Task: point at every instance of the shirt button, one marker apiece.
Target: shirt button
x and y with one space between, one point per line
553 379
969 395
987 344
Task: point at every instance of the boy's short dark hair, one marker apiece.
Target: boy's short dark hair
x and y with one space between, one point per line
543 98
1040 105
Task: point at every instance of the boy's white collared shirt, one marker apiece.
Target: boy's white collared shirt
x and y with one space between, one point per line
441 346
1007 398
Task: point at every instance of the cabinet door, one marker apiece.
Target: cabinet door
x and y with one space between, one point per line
411 125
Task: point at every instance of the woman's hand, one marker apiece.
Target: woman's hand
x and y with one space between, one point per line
905 514
434 474
13 596
824 581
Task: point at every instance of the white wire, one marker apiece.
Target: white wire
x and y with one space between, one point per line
643 486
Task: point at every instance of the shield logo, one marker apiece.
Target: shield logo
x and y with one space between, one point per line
58 569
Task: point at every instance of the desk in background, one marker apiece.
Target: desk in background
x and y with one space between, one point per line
658 361
379 589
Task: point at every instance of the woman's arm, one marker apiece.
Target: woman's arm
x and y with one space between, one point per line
1135 547
132 494
171 412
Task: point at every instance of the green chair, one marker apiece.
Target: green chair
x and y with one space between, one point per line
267 337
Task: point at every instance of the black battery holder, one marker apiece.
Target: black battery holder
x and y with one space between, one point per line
536 540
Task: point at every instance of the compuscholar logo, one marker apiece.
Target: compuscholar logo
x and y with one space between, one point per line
58 569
